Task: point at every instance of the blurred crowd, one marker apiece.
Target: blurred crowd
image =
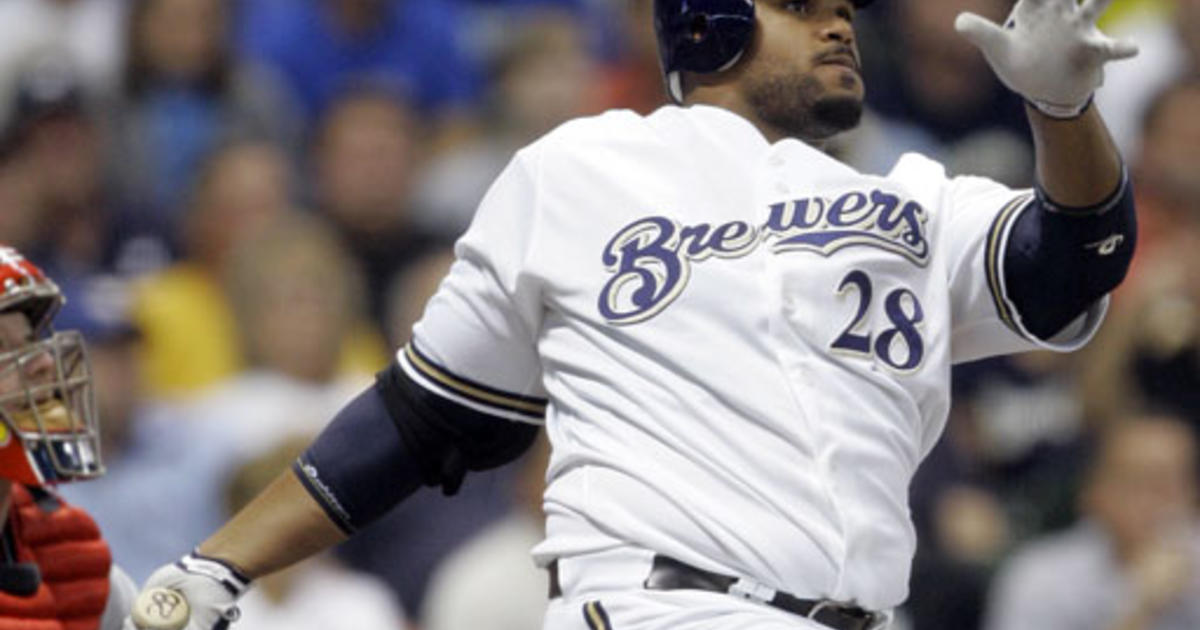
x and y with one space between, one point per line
247 203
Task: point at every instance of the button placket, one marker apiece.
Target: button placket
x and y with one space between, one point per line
777 164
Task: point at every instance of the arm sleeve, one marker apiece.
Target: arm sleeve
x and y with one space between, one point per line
977 237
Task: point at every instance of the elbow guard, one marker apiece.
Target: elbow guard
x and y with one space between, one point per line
394 437
1061 260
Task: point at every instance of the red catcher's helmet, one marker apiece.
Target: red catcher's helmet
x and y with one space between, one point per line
49 430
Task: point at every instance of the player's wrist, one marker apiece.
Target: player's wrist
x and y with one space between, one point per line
223 572
1059 111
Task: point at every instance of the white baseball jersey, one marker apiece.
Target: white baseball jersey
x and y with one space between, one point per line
742 349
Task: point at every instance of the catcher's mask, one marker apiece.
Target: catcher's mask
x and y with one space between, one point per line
49 430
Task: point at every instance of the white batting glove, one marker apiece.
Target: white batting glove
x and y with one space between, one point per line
210 589
1049 51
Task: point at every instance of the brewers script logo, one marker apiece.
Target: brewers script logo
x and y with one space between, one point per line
651 258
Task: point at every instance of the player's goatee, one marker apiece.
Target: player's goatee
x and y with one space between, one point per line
801 107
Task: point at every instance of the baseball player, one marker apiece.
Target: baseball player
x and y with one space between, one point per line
740 347
56 572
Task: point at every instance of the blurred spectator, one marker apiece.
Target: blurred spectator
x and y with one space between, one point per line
366 158
86 32
1168 37
486 25
543 76
493 570
190 334
1006 470
151 454
297 302
633 80
1167 170
934 93
1016 430
326 47
409 291
954 564
1148 352
316 594
1131 563
183 94
51 146
933 77
1121 10
18 221
516 6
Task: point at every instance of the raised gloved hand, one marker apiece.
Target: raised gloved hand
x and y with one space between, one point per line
209 590
1048 51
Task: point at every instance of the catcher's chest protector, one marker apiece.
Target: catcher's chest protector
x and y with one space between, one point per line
73 559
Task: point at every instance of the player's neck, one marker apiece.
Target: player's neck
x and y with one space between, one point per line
724 97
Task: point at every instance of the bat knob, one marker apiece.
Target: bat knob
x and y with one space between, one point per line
160 609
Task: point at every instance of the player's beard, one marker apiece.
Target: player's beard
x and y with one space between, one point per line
800 106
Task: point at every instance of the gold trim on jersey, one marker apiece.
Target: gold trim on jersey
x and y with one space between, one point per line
476 392
994 260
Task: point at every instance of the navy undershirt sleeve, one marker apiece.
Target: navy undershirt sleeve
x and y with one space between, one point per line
358 468
395 437
1060 260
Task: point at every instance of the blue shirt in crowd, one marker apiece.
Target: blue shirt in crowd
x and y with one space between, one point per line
414 48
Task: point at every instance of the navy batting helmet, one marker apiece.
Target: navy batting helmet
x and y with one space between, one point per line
703 36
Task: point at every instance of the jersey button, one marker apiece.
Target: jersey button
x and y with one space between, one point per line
781 188
775 161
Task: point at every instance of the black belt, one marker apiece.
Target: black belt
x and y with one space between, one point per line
668 574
